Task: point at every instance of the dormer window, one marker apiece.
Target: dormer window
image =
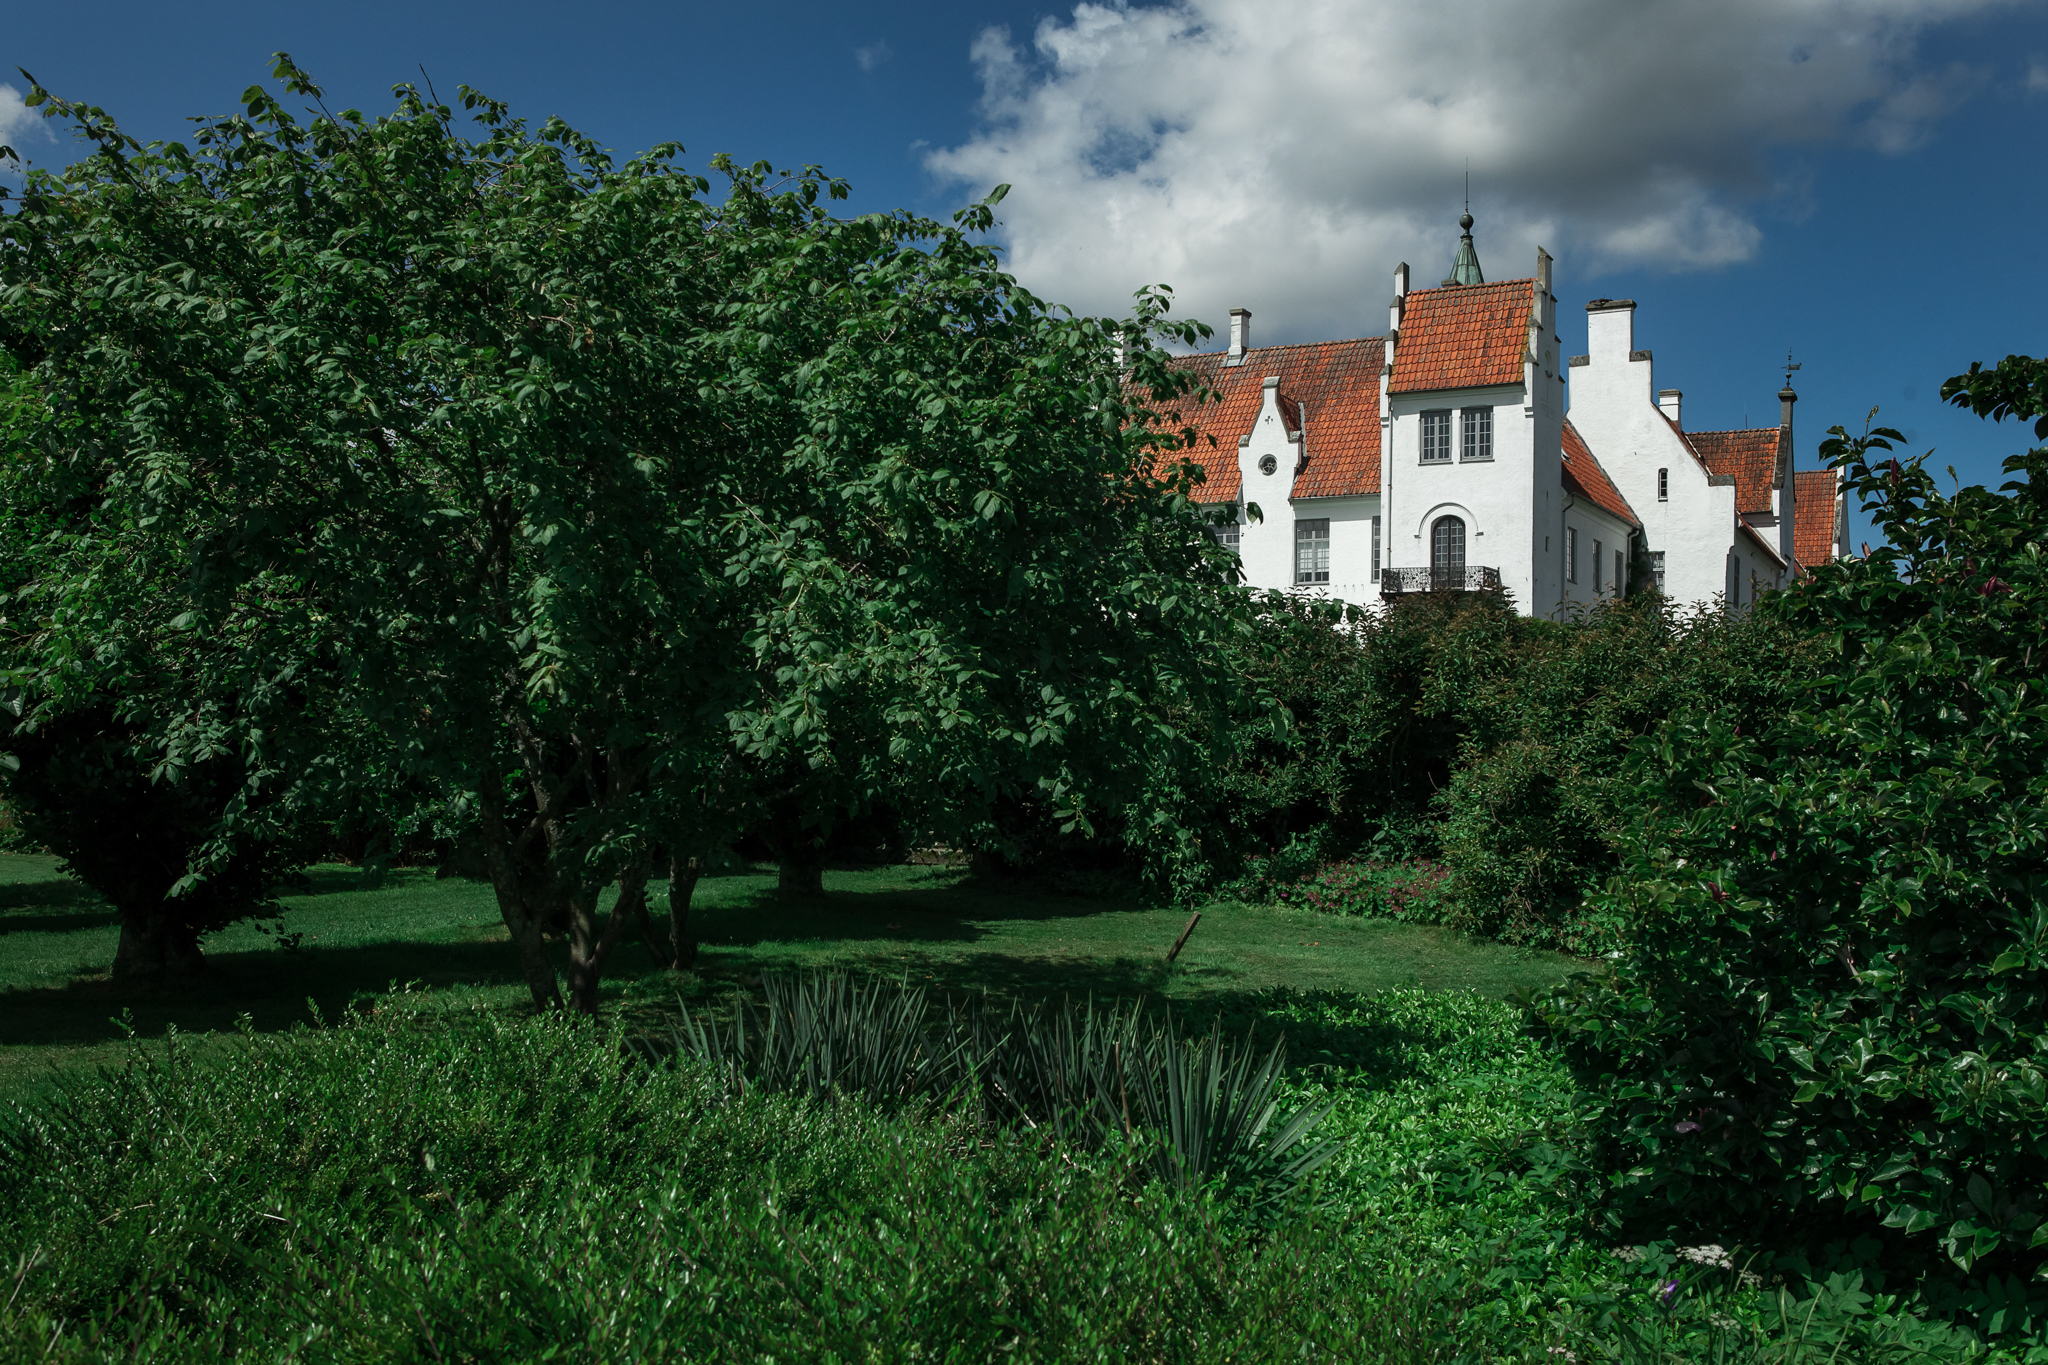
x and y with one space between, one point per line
1436 436
1477 430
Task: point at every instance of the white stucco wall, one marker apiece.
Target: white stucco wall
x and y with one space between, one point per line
1266 546
1510 503
1613 405
1594 527
1350 547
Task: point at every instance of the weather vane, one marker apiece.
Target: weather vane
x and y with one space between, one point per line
1790 365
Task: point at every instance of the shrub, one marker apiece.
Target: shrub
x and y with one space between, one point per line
1829 1017
1412 892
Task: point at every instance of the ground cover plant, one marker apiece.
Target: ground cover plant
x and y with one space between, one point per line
414 1183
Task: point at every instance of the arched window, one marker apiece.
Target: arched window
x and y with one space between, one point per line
1447 546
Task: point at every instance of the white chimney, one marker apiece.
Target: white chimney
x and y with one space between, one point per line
1667 399
1611 330
1240 335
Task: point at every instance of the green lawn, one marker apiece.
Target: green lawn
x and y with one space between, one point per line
934 925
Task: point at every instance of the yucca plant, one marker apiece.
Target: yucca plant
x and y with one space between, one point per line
1196 1108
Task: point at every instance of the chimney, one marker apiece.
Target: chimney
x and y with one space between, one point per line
1667 399
1240 335
1788 460
1611 330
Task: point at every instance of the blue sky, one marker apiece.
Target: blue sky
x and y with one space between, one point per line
1859 181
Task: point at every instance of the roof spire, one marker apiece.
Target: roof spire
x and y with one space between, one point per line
1465 269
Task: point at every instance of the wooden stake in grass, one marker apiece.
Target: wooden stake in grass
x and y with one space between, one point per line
1174 952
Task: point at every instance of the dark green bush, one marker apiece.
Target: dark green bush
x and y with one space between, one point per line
1829 1020
1449 729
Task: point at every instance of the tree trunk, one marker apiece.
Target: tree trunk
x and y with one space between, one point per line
525 926
154 946
682 886
590 946
803 869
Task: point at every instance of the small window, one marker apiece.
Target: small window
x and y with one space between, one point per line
1447 546
1226 532
1618 573
1312 551
1596 566
1657 568
1478 433
1571 554
1663 485
1375 549
1436 437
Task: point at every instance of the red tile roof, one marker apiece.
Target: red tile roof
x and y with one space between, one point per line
1813 515
1463 336
1753 459
1585 479
1330 389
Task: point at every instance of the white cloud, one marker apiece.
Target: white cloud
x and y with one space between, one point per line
17 120
1284 154
872 56
2037 77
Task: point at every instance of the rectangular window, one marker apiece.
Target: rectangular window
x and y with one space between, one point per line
1596 566
1226 532
1375 549
1618 584
1478 433
1571 554
1663 485
1312 551
1657 568
1436 437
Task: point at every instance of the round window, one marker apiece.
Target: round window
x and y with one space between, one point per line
1267 464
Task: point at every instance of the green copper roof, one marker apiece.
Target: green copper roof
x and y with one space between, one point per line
1465 269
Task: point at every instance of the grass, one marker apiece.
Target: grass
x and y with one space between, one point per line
59 1009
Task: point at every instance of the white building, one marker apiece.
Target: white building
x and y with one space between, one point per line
1443 455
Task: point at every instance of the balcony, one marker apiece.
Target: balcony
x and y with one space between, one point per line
1407 582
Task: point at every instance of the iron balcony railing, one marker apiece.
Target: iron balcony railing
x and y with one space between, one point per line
1472 578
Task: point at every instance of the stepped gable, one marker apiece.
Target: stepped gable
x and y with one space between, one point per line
1463 336
1752 458
1813 515
1329 390
1586 480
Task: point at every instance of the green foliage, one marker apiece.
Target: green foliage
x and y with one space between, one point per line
1828 1017
1409 891
1114 1076
94 666
618 514
414 1184
1450 729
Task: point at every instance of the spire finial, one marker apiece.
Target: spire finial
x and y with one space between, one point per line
1465 269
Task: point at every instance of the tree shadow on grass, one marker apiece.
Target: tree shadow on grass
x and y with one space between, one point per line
57 903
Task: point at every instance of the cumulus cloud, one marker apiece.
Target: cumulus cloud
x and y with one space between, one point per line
1283 154
17 120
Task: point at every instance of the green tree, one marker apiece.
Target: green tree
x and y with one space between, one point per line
182 838
580 483
1828 1019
